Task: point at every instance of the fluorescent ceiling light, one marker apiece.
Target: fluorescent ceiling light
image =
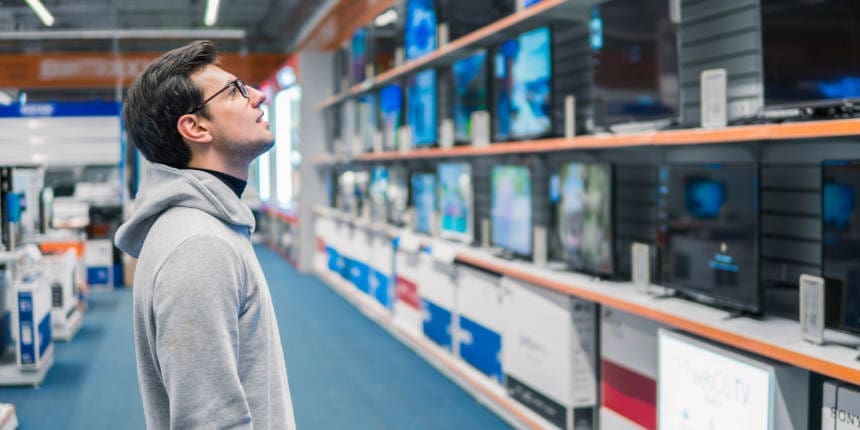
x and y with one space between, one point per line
211 12
40 10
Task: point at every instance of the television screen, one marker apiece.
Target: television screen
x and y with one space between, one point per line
362 191
397 195
522 86
365 121
585 217
811 50
420 31
358 58
470 92
464 17
378 193
841 228
709 219
391 111
386 35
635 62
424 200
511 214
422 107
455 200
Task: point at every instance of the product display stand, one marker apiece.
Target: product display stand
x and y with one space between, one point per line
8 419
11 375
67 332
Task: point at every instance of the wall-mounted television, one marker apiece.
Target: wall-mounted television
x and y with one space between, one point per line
391 113
841 245
522 77
420 28
585 217
359 48
511 213
424 200
378 193
709 217
470 93
421 96
811 51
635 62
455 201
397 194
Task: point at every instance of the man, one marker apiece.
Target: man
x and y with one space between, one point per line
208 350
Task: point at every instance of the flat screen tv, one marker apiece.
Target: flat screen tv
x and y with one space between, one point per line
386 35
366 120
421 96
455 201
470 93
362 190
420 29
635 62
811 51
522 77
585 217
424 200
397 194
709 224
464 17
841 245
391 113
358 55
511 213
378 193
346 192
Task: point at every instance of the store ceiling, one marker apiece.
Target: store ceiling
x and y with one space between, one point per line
268 25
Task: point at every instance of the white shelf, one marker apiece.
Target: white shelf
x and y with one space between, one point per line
66 332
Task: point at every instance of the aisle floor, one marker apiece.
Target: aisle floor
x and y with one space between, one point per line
344 370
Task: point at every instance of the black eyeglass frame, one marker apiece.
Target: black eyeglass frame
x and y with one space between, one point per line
237 83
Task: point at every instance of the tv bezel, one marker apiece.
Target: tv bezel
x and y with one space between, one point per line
558 208
493 242
493 90
706 297
469 236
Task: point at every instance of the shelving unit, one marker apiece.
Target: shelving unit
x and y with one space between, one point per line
536 15
773 337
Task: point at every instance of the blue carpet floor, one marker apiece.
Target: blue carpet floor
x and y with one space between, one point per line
344 370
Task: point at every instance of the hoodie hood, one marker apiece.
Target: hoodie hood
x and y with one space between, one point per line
165 187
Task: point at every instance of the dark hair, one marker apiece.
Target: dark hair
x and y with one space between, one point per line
159 96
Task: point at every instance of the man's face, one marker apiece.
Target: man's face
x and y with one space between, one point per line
236 123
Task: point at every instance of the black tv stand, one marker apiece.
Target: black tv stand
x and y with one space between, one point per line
733 314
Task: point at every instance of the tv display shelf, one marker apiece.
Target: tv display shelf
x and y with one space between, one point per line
289 217
773 337
747 133
505 28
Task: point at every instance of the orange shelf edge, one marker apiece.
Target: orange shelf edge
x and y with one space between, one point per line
752 345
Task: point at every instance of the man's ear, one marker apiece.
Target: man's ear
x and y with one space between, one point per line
193 128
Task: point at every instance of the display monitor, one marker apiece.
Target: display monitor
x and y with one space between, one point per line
811 51
420 31
511 213
366 120
470 93
362 190
378 193
841 245
709 222
585 217
464 17
635 62
421 95
358 54
455 201
424 200
391 113
398 195
522 77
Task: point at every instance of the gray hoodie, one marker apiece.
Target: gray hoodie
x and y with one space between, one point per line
208 350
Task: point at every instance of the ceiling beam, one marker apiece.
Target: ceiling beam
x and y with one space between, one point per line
151 34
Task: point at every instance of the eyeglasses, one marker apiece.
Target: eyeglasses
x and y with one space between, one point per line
236 83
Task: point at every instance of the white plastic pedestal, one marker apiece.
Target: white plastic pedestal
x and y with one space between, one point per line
67 331
8 419
10 375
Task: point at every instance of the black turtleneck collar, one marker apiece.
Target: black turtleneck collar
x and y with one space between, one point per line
235 184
